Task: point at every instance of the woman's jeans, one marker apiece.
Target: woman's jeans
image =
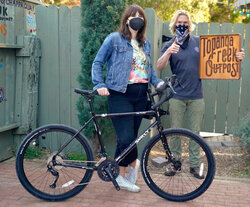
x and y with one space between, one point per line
135 99
194 109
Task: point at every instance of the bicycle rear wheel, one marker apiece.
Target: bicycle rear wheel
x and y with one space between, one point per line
48 181
182 185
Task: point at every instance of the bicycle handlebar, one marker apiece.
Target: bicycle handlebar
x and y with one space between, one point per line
162 90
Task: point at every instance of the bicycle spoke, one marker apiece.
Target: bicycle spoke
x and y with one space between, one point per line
170 178
48 176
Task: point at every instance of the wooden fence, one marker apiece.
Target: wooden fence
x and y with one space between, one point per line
227 101
40 63
19 68
58 30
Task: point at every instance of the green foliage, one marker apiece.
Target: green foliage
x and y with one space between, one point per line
165 9
99 18
243 131
200 11
223 12
76 156
53 2
33 153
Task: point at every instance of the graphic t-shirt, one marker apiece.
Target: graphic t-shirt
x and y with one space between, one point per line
140 65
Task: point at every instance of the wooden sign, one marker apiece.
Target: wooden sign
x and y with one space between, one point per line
218 56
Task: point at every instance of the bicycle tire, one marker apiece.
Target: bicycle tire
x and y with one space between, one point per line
35 153
182 186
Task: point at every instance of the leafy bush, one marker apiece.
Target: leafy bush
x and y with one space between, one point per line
99 18
243 131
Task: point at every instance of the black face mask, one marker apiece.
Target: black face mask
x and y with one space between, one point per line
181 28
136 23
182 35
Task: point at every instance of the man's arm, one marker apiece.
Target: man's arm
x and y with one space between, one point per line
163 60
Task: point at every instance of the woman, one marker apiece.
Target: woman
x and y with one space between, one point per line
129 73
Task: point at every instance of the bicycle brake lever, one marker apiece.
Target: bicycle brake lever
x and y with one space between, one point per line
174 79
172 89
179 83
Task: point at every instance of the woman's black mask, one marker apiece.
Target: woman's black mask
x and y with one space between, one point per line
136 23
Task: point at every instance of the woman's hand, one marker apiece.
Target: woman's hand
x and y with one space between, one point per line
160 84
240 55
103 91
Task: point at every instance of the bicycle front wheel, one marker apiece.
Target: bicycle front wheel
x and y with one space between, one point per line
173 179
58 179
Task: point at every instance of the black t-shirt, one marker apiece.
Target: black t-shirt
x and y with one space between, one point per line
185 65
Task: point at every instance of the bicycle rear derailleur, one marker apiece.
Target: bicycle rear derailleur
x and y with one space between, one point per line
108 170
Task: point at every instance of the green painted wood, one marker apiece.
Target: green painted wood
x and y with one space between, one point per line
43 35
2 84
75 66
195 32
9 86
10 37
158 42
53 70
166 31
151 32
6 149
19 25
234 91
11 46
223 90
209 89
47 31
7 80
64 65
9 127
245 74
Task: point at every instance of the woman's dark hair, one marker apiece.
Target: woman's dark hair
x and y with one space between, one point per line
131 10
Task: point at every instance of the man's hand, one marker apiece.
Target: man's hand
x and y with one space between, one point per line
174 48
163 60
103 91
240 55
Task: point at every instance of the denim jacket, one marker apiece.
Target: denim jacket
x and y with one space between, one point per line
118 53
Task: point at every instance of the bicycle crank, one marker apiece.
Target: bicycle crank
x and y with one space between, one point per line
108 170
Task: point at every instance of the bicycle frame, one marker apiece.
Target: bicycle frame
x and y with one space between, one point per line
103 153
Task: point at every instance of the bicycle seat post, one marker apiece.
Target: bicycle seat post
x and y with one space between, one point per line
102 152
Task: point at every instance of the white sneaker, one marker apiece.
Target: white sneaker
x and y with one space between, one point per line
133 173
126 185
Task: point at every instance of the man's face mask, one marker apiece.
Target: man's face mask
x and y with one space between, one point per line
182 34
136 23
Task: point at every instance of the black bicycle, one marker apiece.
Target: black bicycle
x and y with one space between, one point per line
55 162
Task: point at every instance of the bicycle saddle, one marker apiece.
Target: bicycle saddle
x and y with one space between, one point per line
85 92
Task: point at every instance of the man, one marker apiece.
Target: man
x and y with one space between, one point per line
182 51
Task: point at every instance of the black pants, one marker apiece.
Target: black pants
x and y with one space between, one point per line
135 99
